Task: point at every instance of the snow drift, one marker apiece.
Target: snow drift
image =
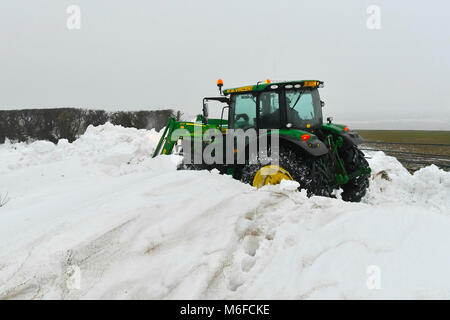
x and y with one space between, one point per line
98 218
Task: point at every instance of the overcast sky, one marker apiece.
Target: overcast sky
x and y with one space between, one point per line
145 54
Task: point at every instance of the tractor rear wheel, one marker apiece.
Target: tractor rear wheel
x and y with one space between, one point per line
356 188
293 164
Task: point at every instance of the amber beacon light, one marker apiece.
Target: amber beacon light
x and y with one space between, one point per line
220 85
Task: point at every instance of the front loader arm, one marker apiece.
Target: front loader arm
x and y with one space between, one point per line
192 130
163 140
166 144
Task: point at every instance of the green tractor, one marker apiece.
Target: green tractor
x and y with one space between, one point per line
320 156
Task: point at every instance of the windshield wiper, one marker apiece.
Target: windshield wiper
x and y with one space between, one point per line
298 99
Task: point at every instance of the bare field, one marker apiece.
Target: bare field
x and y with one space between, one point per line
435 137
415 149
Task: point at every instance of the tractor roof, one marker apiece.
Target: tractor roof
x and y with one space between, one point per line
275 85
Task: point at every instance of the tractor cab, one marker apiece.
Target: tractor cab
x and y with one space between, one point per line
281 105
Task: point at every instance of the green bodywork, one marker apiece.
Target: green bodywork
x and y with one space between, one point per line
334 141
195 131
333 128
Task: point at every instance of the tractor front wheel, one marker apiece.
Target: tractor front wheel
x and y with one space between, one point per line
356 188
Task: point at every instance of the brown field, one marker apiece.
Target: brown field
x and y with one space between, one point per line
415 149
413 136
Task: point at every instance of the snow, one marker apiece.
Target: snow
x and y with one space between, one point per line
99 218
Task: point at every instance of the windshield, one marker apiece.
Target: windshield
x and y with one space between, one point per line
303 107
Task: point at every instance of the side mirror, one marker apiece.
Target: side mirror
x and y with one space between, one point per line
205 110
322 103
330 119
221 116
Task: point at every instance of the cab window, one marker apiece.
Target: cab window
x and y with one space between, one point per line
244 107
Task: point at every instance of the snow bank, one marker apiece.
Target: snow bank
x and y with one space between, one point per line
107 144
392 184
98 218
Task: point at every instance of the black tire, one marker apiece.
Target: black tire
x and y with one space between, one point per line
355 189
307 170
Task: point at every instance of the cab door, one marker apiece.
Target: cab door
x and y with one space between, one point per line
270 115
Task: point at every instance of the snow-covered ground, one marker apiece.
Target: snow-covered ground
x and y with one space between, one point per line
99 218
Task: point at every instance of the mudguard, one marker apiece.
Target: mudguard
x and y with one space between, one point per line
351 138
312 146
